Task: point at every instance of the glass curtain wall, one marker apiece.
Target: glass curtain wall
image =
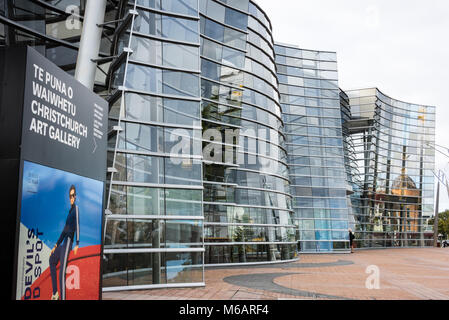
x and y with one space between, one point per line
247 205
310 99
154 225
393 142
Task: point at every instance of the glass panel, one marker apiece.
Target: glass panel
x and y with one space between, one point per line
238 4
115 268
144 138
146 234
215 11
180 142
180 83
214 30
184 202
184 267
145 201
184 233
140 268
156 4
148 23
249 253
162 81
210 70
143 108
234 38
180 56
233 57
182 112
116 235
183 172
236 19
118 200
180 29
166 26
144 78
145 169
211 49
146 50
188 7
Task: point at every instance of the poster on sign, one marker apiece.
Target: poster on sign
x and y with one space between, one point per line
60 235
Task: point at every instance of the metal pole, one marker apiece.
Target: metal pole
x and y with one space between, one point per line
90 42
435 222
156 243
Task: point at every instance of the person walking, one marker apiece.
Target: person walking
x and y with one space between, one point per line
351 240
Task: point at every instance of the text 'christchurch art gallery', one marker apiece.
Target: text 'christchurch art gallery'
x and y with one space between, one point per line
225 147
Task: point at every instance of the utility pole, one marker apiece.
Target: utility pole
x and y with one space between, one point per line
435 222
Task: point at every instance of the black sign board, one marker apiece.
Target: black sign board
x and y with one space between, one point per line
53 157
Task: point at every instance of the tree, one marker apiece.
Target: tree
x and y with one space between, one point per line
443 223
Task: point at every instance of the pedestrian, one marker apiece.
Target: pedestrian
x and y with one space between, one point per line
351 240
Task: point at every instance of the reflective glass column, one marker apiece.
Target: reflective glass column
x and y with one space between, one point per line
312 114
247 205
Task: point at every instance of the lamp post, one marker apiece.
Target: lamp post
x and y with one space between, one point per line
435 222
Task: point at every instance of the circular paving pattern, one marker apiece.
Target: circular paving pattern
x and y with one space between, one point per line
266 281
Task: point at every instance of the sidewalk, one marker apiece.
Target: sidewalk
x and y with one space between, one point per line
405 274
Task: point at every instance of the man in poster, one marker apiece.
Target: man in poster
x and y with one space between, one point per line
60 253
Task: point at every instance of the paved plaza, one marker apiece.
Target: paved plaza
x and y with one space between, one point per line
403 274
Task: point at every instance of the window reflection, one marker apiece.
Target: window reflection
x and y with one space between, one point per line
166 26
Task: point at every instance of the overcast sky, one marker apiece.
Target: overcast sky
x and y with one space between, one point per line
400 46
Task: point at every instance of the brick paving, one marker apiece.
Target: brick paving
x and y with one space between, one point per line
405 274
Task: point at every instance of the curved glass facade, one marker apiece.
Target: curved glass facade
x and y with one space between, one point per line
226 148
396 186
310 99
154 229
247 205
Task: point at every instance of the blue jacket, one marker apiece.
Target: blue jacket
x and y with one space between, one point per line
72 226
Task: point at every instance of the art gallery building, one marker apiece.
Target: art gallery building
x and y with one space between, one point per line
301 160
